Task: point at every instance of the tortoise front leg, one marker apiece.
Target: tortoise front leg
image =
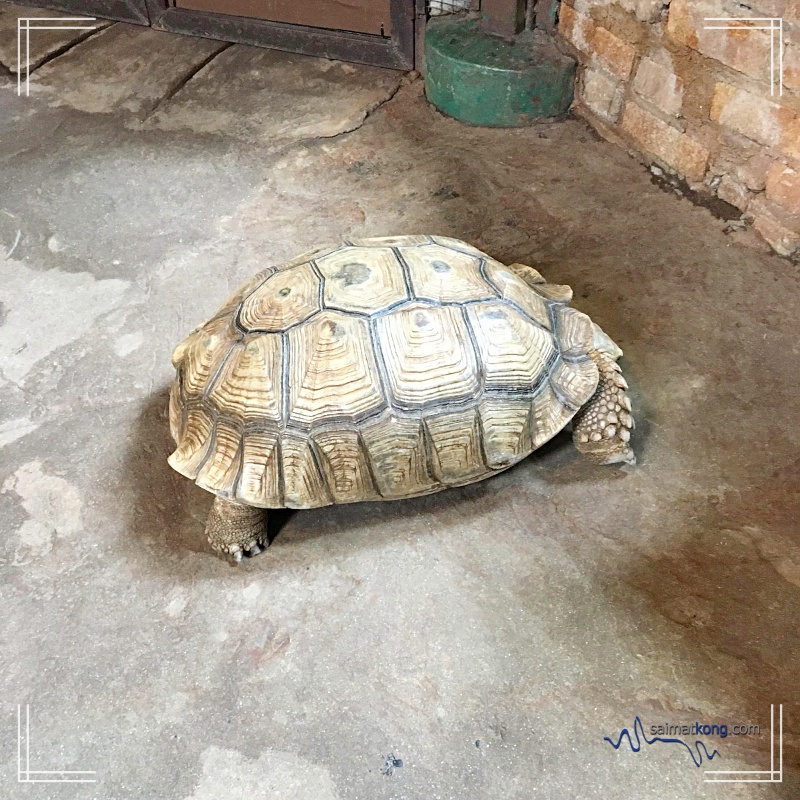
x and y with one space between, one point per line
236 529
601 430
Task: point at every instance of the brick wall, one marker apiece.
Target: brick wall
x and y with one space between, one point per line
697 102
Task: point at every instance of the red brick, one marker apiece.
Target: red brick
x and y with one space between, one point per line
791 66
677 150
613 53
733 192
566 21
747 51
576 28
604 48
790 140
681 25
753 173
649 10
659 85
602 94
755 117
645 10
783 187
780 229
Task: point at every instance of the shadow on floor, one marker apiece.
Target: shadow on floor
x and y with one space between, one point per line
730 584
168 511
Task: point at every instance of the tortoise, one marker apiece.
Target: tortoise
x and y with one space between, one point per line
380 369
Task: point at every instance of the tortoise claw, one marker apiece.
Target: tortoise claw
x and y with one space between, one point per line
238 553
236 530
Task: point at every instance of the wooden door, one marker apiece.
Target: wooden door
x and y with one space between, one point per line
379 32
361 16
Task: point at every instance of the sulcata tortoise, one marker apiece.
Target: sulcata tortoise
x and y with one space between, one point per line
382 369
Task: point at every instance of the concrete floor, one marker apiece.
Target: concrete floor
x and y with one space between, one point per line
491 636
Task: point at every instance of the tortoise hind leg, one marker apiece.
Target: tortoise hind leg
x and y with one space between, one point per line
601 430
236 529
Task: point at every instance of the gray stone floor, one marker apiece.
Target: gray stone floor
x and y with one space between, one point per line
489 637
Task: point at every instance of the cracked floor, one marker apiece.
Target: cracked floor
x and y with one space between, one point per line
489 637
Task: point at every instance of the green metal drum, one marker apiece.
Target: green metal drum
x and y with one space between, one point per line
485 80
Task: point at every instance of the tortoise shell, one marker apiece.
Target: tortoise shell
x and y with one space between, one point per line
380 369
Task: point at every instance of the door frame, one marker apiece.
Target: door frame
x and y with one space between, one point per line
395 52
134 11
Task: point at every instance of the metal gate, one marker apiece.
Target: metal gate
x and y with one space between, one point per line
379 32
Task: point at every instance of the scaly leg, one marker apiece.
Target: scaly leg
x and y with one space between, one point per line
236 529
601 430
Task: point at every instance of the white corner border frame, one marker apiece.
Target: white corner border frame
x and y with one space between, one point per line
772 24
27 775
770 775
24 24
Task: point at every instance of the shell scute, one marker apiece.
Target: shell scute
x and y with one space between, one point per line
445 276
512 288
248 385
399 459
286 298
505 430
457 245
203 353
549 416
428 355
391 241
455 452
260 481
574 330
514 353
345 465
574 382
221 468
194 444
304 482
362 279
332 371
